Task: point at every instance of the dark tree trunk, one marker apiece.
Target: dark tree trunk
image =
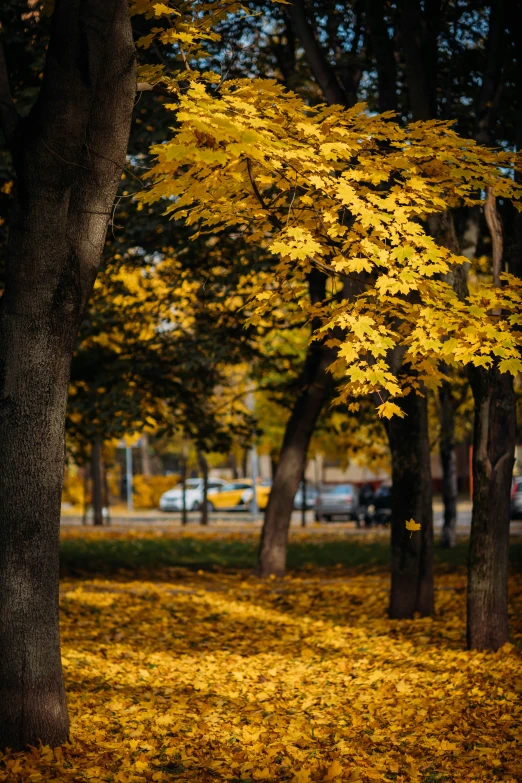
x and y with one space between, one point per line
448 458
85 486
384 55
299 430
323 71
411 553
97 482
493 460
316 385
184 518
418 32
68 154
274 457
203 466
106 494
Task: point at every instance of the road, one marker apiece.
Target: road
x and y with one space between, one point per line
240 521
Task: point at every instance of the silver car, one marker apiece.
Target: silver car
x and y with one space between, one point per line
336 501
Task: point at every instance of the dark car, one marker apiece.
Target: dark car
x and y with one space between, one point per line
379 512
516 498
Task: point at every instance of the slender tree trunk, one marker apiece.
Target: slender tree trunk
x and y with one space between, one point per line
316 386
203 466
85 486
68 154
493 460
411 553
274 457
97 482
448 458
106 493
299 430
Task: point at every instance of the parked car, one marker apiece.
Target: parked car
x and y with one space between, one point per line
379 511
263 489
336 501
516 498
172 500
310 497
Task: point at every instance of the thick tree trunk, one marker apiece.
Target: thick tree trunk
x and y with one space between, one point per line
97 482
411 553
493 460
448 460
68 154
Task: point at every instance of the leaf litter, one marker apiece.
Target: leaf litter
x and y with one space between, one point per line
221 677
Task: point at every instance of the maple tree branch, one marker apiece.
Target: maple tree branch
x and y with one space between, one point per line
495 230
9 116
157 89
272 218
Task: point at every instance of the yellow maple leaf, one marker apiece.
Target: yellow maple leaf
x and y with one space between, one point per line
334 770
303 776
411 525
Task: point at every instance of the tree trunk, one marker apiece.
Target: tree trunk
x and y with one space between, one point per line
184 518
411 553
316 386
85 486
145 456
97 482
493 460
203 466
106 494
68 154
321 68
448 458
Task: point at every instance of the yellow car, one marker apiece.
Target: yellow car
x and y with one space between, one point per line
237 495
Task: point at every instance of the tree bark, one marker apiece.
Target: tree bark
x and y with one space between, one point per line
68 154
97 482
419 48
384 55
316 385
411 553
493 460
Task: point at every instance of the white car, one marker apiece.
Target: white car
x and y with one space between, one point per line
172 500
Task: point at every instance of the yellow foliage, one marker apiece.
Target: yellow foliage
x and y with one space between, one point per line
346 192
220 677
73 488
147 490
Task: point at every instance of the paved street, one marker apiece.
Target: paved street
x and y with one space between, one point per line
228 522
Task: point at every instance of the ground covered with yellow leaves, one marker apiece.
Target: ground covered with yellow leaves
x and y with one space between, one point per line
220 677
